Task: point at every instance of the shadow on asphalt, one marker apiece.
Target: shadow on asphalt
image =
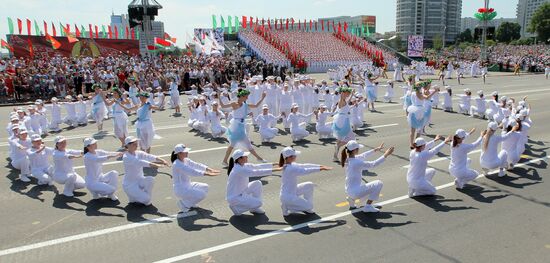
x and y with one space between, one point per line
135 212
372 220
436 202
299 219
189 223
478 193
249 224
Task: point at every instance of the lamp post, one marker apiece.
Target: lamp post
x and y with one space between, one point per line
484 35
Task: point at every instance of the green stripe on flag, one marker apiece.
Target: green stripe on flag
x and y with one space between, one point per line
10 25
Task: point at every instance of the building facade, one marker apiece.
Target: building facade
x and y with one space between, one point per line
524 13
357 21
472 23
429 18
157 30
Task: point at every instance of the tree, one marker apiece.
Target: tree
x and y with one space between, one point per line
540 22
396 43
507 32
437 42
465 36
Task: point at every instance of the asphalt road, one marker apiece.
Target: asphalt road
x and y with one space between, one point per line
491 220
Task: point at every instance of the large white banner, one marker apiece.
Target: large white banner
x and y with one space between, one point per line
416 46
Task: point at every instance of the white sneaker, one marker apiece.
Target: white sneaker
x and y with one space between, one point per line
186 214
351 202
225 164
370 209
113 197
68 194
24 178
259 211
501 173
95 196
285 210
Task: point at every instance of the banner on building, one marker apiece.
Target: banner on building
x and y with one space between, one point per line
415 46
84 47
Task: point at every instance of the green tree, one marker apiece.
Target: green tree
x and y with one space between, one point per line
396 43
540 22
437 42
507 32
465 36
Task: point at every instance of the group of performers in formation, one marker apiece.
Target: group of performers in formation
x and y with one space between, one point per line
295 103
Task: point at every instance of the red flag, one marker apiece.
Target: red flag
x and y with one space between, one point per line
6 45
19 25
53 30
150 47
269 23
29 28
244 22
162 42
251 22
345 26
287 24
292 22
339 28
55 43
90 31
299 25
315 25
45 27
256 21
96 32
133 34
310 25
77 31
68 28
110 32
70 37
127 32
31 49
116 32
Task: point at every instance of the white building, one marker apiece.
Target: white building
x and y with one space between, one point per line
120 22
524 12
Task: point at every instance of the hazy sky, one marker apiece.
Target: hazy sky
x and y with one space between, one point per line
181 16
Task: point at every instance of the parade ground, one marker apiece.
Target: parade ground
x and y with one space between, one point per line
492 219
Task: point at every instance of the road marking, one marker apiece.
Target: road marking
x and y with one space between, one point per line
442 159
165 219
36 222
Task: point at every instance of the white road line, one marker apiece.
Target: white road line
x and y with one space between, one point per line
111 230
443 158
306 224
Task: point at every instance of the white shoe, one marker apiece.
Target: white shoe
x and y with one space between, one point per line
68 194
95 196
234 211
24 178
113 197
458 185
225 164
285 210
259 211
370 209
186 214
351 202
501 173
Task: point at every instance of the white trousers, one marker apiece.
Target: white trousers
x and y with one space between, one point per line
423 186
475 111
106 185
499 162
464 175
268 133
42 174
371 189
299 133
72 181
190 196
140 191
302 201
249 200
22 164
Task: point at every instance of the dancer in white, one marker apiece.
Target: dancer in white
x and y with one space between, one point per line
189 193
214 117
296 197
418 113
418 177
323 128
63 168
355 164
266 122
341 125
39 156
55 110
98 183
490 157
135 184
120 118
98 107
297 123
175 96
480 106
513 143
236 133
465 102
144 125
459 165
242 195
18 151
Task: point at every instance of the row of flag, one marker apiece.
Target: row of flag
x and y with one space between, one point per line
94 31
289 23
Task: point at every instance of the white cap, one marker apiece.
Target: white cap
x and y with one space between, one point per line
68 97
238 154
289 151
524 113
180 148
521 103
352 145
419 142
54 99
494 93
460 133
480 92
14 127
22 130
265 106
323 106
295 105
130 139
14 118
493 126
59 139
36 137
467 90
89 141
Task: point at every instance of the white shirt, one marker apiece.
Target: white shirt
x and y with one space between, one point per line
182 170
39 159
356 166
134 164
419 161
459 154
19 153
62 163
289 178
238 178
93 164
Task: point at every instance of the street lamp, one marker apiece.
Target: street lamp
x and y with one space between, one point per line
484 35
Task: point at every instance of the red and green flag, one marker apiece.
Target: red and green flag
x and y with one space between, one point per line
5 45
55 43
159 42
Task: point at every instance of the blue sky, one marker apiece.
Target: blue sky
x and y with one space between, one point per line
181 16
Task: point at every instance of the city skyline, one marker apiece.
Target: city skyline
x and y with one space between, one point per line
180 17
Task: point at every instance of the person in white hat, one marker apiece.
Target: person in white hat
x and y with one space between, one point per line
490 157
34 121
512 145
523 118
42 112
465 102
341 125
355 164
70 108
285 103
39 156
19 158
419 177
14 122
55 110
479 108
297 124
459 165
243 195
266 122
98 183
63 168
189 193
98 107
214 118
236 132
120 118
160 98
144 125
133 91
492 106
323 128
135 184
81 106
24 119
419 112
447 103
388 96
174 96
296 197
272 91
